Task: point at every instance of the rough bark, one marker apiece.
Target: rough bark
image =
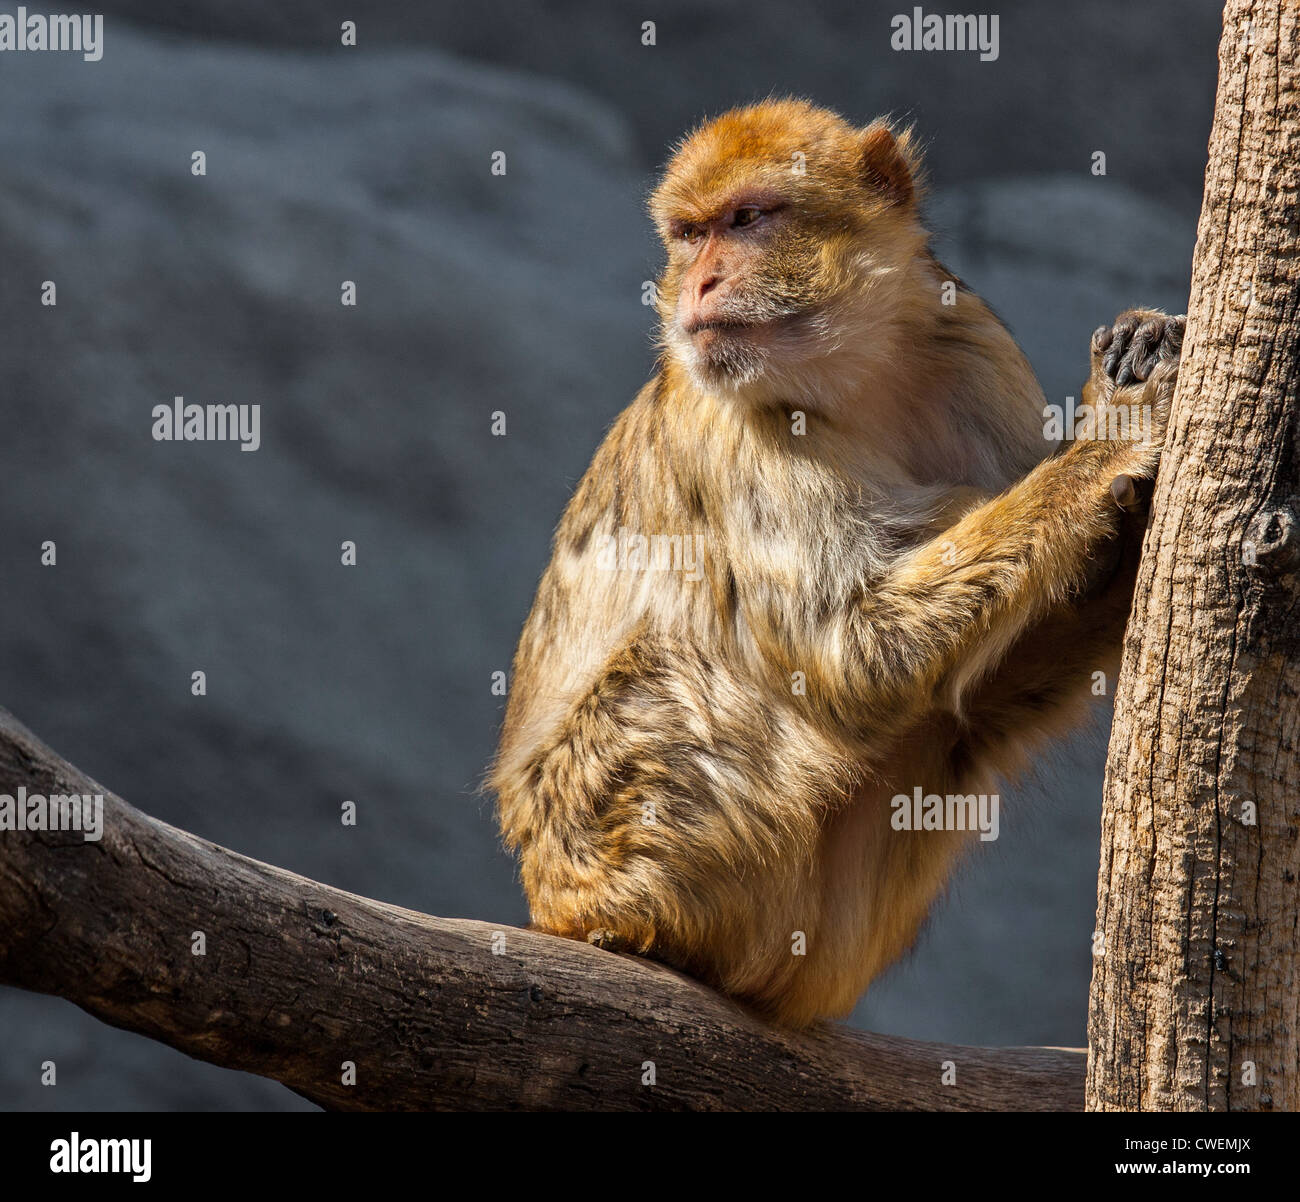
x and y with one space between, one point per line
1195 986
299 978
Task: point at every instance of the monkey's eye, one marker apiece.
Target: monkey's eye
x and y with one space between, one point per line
690 233
744 217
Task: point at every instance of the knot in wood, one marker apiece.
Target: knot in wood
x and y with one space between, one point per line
1272 541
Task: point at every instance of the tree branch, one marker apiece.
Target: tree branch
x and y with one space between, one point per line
299 978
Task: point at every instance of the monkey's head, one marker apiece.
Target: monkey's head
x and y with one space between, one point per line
792 239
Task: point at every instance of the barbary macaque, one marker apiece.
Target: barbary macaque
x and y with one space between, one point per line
898 582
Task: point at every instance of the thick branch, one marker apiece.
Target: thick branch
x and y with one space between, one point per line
299 978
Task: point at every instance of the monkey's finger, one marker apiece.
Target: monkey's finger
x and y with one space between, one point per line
1124 490
1114 354
1121 332
1133 367
1101 337
1141 357
1132 494
611 941
1171 345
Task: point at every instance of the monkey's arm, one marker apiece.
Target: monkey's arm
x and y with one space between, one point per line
1046 680
931 630
1044 685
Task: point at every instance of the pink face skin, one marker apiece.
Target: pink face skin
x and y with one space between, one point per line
711 306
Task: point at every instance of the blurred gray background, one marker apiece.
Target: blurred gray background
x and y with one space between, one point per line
476 293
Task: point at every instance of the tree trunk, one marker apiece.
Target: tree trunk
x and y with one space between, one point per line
1197 951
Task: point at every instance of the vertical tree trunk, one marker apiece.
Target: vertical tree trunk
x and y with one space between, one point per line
1196 979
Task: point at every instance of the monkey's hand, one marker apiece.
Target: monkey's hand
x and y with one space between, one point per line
1128 350
1135 369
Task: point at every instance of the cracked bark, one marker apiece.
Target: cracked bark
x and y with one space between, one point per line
300 978
1196 984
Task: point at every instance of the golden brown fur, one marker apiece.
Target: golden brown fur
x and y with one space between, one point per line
918 560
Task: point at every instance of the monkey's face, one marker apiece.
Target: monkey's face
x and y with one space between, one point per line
741 275
777 220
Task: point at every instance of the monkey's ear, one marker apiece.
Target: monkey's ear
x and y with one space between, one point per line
887 162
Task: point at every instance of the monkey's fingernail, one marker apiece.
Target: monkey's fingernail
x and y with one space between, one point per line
1124 491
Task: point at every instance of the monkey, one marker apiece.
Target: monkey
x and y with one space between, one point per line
900 582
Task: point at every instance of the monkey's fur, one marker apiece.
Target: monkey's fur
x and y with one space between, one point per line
914 592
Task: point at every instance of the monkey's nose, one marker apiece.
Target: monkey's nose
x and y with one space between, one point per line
707 285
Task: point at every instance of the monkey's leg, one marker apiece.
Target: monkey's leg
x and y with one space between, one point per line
675 814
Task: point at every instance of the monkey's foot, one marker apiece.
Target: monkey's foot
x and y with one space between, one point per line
611 941
1138 340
